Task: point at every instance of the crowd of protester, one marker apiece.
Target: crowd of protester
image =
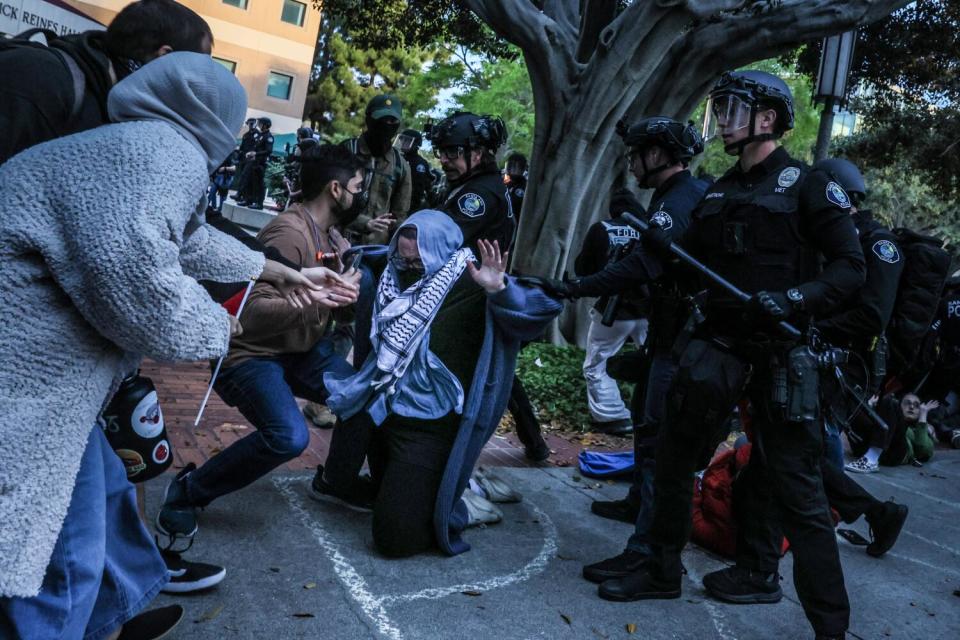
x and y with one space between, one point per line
391 309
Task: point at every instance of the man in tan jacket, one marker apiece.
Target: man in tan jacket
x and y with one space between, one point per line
283 352
388 174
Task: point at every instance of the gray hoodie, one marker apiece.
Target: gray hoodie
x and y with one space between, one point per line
100 251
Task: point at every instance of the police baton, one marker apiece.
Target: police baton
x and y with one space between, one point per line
741 295
711 275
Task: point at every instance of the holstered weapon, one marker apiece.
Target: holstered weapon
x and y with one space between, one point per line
611 304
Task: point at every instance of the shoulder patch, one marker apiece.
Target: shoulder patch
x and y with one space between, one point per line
886 251
471 205
518 192
662 219
837 195
421 168
714 194
788 177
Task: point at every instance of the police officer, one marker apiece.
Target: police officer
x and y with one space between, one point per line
259 157
409 142
861 322
248 143
465 144
765 225
661 149
515 177
858 325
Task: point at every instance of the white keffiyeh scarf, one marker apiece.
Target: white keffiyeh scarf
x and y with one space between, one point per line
402 319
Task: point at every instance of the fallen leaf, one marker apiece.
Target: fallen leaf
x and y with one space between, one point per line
310 585
471 592
275 569
210 615
576 478
304 615
566 618
631 628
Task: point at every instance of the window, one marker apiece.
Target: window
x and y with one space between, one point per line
278 85
293 12
240 4
229 65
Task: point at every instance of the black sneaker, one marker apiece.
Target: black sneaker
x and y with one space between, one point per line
539 452
177 517
641 585
622 427
616 567
885 527
360 499
621 510
153 624
186 577
742 586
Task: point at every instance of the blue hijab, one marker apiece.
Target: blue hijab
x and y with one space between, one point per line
427 390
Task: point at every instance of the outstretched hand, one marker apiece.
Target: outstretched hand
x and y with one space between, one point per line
319 285
493 267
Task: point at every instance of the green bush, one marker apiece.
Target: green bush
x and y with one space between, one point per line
553 378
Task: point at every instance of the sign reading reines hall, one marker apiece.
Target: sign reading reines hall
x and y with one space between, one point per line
16 16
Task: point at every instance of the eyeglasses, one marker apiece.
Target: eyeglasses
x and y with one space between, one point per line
448 153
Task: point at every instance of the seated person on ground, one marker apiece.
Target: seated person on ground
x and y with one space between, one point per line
446 333
910 439
283 351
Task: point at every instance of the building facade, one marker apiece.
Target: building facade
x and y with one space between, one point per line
267 44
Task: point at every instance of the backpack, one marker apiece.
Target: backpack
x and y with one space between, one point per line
398 163
925 272
78 80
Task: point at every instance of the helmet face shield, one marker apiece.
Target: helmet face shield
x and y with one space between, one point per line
725 113
405 143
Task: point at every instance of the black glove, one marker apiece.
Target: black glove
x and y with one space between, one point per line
624 200
656 240
559 289
769 305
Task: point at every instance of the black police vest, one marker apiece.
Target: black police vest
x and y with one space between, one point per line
752 235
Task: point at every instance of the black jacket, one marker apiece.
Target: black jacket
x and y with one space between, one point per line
481 209
37 94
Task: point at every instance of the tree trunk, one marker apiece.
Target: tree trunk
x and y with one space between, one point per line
658 57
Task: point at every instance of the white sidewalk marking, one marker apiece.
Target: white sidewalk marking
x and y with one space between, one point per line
716 615
875 476
375 606
353 581
532 568
933 542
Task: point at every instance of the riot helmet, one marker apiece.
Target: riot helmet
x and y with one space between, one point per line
467 131
680 141
265 122
736 99
847 174
516 166
409 141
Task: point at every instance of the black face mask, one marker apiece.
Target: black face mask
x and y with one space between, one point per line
346 215
380 134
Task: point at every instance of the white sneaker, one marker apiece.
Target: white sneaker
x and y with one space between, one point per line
493 488
861 465
480 511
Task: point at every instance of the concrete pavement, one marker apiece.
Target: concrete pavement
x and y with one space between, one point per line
302 569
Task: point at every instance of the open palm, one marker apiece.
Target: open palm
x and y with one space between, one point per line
493 266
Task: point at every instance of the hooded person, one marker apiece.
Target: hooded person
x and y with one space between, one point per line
100 246
430 394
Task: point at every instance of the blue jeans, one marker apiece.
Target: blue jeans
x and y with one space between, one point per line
105 567
264 390
363 315
832 444
663 369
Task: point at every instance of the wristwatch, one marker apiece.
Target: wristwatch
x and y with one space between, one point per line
795 296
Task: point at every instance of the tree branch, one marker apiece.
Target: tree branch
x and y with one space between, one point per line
517 21
597 14
564 12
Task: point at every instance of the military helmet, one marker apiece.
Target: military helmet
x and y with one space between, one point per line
680 140
468 130
846 173
758 89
